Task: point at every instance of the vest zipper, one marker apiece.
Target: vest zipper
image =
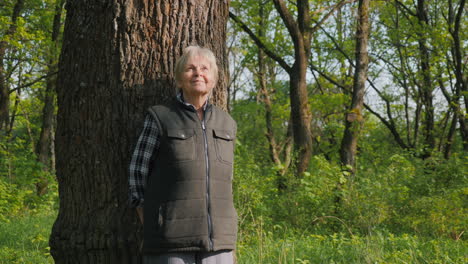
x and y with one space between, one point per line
207 164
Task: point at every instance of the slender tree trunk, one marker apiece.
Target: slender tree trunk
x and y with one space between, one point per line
354 117
452 101
461 84
426 86
301 115
117 59
17 102
417 118
404 81
265 94
300 110
44 144
4 91
265 98
451 136
270 134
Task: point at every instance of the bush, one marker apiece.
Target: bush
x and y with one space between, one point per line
11 200
19 173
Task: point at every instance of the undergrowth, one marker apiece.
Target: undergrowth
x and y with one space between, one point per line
24 239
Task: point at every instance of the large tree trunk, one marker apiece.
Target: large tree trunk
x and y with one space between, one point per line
117 59
354 118
4 91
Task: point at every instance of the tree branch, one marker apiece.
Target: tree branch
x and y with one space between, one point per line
32 82
328 78
389 124
405 8
337 6
338 46
459 15
260 43
288 20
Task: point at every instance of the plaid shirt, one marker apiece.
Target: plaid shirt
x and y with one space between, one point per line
147 145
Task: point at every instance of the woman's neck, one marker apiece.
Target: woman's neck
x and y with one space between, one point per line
197 101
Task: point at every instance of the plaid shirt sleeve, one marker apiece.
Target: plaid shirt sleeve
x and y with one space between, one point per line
148 143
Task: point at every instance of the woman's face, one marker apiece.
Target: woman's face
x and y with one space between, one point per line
197 78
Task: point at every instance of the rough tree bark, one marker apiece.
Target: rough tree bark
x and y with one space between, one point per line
354 117
4 91
44 143
117 59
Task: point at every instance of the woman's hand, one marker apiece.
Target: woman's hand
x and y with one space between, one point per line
140 214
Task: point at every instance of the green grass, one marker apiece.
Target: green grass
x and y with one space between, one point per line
336 248
24 239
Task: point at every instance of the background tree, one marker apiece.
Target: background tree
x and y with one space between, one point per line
458 52
300 29
400 106
25 70
4 45
117 59
45 143
354 117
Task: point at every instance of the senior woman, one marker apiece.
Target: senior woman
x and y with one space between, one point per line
181 171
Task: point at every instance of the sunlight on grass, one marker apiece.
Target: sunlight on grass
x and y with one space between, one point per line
338 248
25 239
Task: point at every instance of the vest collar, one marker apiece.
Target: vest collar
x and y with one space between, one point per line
180 99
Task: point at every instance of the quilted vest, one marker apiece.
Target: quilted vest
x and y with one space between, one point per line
188 197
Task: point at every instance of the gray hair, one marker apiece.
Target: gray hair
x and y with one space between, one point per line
193 51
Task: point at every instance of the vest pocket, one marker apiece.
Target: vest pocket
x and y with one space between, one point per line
224 145
181 145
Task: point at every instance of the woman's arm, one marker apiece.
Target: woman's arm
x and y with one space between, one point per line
147 145
140 214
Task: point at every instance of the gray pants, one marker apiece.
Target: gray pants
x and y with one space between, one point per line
217 257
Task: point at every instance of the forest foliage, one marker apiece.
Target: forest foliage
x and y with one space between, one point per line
410 179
